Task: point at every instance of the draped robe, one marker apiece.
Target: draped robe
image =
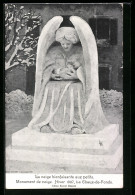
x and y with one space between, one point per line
62 103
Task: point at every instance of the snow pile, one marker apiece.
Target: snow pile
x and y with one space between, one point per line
17 103
111 98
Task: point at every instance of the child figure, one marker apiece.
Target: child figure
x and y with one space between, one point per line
68 72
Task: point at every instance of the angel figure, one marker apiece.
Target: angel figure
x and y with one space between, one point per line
66 96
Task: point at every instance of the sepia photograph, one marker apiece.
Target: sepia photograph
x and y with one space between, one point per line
63 95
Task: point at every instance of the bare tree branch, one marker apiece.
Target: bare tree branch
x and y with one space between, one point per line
15 21
17 48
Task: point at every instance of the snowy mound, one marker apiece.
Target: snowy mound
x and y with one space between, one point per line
111 98
17 102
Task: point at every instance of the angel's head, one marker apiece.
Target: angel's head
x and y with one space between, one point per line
67 36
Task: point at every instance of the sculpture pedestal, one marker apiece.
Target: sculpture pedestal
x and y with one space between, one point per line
102 149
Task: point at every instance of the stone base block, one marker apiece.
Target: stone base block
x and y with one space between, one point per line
101 150
66 158
102 140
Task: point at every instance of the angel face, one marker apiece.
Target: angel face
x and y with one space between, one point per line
66 45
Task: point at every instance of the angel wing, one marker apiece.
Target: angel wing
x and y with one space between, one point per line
94 116
89 46
46 38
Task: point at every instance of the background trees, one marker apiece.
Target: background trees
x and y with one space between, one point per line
21 35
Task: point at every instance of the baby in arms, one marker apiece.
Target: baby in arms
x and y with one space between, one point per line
68 72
